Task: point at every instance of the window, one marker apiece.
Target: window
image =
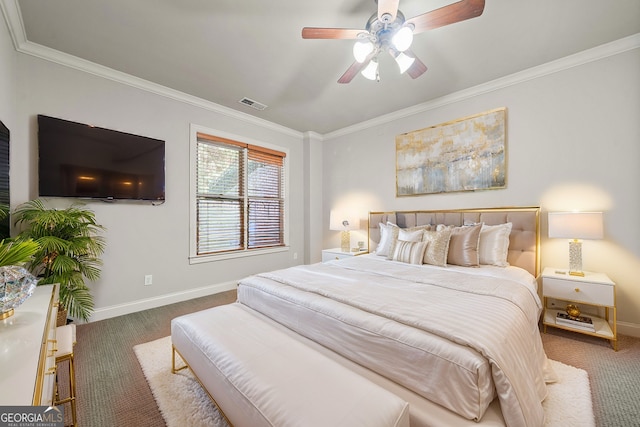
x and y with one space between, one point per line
239 196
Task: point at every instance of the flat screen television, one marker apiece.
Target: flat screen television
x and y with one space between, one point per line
79 160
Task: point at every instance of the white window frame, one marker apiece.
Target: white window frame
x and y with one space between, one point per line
194 258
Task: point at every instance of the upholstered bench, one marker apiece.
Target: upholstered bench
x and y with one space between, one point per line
260 376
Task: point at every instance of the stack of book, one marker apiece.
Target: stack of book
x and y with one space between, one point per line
581 322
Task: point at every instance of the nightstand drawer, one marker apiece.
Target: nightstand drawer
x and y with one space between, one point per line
330 256
336 253
591 293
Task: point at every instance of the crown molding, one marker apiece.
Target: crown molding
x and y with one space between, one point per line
581 58
13 17
11 11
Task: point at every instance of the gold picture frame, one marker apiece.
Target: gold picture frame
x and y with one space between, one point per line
466 154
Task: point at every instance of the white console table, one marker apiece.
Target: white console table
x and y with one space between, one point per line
27 351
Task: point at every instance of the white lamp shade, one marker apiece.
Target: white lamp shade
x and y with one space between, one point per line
361 49
404 62
575 225
403 38
339 221
371 70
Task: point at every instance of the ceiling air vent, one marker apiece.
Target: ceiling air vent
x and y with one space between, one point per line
253 104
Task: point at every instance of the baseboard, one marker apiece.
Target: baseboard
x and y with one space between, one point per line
629 329
145 304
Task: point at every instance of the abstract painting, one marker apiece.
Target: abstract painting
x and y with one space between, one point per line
467 154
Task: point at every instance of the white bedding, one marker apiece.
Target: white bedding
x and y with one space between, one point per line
453 335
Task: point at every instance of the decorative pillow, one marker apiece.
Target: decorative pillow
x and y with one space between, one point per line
437 247
463 246
413 234
409 252
494 244
388 233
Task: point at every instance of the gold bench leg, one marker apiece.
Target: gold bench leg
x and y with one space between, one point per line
173 360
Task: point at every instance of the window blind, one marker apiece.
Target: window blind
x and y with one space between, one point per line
240 196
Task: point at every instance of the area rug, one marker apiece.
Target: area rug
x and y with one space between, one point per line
183 402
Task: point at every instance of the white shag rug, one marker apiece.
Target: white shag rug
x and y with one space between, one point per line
183 402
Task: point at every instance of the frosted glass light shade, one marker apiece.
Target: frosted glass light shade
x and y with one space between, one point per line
361 49
371 70
404 62
402 39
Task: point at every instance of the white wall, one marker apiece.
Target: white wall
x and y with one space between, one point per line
144 239
7 77
572 144
313 197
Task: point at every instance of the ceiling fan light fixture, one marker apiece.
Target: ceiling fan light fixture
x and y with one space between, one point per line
371 70
362 49
404 61
403 38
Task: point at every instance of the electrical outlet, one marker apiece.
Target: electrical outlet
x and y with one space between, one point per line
148 280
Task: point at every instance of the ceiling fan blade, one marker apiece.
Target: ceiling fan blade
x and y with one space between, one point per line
330 33
351 72
355 68
417 68
456 12
387 7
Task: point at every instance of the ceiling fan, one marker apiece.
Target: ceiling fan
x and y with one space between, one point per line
388 30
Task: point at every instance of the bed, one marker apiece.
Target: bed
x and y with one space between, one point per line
458 339
443 312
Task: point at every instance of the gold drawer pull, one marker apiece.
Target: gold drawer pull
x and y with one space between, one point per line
51 371
577 289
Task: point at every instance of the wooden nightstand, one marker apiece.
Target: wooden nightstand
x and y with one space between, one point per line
336 253
594 289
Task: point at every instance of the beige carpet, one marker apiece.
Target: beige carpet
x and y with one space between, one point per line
183 402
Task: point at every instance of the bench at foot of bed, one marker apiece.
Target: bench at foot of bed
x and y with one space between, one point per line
259 376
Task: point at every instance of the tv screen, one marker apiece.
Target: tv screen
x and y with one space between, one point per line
78 160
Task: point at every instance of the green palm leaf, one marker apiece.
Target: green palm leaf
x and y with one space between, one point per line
17 252
70 247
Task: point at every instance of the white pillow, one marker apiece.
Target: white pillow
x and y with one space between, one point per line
388 234
413 234
494 244
409 252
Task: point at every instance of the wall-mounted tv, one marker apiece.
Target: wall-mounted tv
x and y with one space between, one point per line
79 160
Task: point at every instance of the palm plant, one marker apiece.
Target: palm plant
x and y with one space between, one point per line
69 251
16 253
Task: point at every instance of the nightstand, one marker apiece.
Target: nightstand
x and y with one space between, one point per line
592 289
336 253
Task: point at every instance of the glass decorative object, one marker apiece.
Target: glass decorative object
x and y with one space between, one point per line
16 285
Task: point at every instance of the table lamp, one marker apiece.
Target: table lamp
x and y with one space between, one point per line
339 221
575 226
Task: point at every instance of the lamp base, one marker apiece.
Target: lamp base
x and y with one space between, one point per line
345 241
575 258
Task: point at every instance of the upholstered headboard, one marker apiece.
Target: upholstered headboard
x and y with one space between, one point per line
524 241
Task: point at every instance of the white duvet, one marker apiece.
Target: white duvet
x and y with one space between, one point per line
457 336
